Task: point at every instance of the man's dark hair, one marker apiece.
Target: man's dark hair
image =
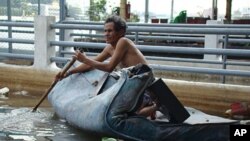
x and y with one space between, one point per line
119 23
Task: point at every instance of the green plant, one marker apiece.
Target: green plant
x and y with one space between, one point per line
97 10
134 17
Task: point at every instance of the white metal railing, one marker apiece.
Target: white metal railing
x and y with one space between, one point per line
215 51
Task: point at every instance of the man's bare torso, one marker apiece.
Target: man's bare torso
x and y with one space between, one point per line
131 57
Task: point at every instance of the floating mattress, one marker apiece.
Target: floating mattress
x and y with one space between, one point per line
105 104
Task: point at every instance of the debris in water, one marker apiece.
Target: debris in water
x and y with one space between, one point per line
4 91
23 92
22 137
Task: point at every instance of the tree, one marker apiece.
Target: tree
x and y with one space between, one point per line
17 3
134 17
116 11
228 11
21 7
97 10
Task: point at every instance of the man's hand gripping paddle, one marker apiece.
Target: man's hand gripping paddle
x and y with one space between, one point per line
53 84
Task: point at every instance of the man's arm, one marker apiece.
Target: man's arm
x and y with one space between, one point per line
120 50
85 67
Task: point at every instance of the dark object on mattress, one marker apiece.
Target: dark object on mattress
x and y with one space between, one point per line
169 104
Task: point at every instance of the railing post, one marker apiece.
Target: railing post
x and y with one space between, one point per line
68 37
9 27
136 37
43 35
213 41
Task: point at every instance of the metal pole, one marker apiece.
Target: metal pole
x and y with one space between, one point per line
214 10
62 18
62 10
172 11
146 11
224 57
228 11
136 37
9 27
39 7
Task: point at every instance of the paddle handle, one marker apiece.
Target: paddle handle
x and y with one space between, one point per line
53 84
68 66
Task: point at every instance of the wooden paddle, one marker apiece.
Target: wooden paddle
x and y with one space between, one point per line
53 84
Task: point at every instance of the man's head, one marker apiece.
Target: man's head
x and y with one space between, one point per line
119 23
114 28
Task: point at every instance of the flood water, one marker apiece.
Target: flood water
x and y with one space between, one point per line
19 123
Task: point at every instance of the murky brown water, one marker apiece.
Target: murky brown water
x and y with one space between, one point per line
19 123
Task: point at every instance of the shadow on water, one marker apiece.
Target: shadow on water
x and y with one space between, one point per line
21 124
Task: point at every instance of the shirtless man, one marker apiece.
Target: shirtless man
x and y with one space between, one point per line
120 51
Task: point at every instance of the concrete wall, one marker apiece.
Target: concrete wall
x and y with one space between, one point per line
19 78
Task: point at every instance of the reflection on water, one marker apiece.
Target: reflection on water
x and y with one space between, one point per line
21 124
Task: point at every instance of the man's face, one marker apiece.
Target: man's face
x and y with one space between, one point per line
111 36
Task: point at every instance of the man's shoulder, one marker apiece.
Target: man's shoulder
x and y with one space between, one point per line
126 41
